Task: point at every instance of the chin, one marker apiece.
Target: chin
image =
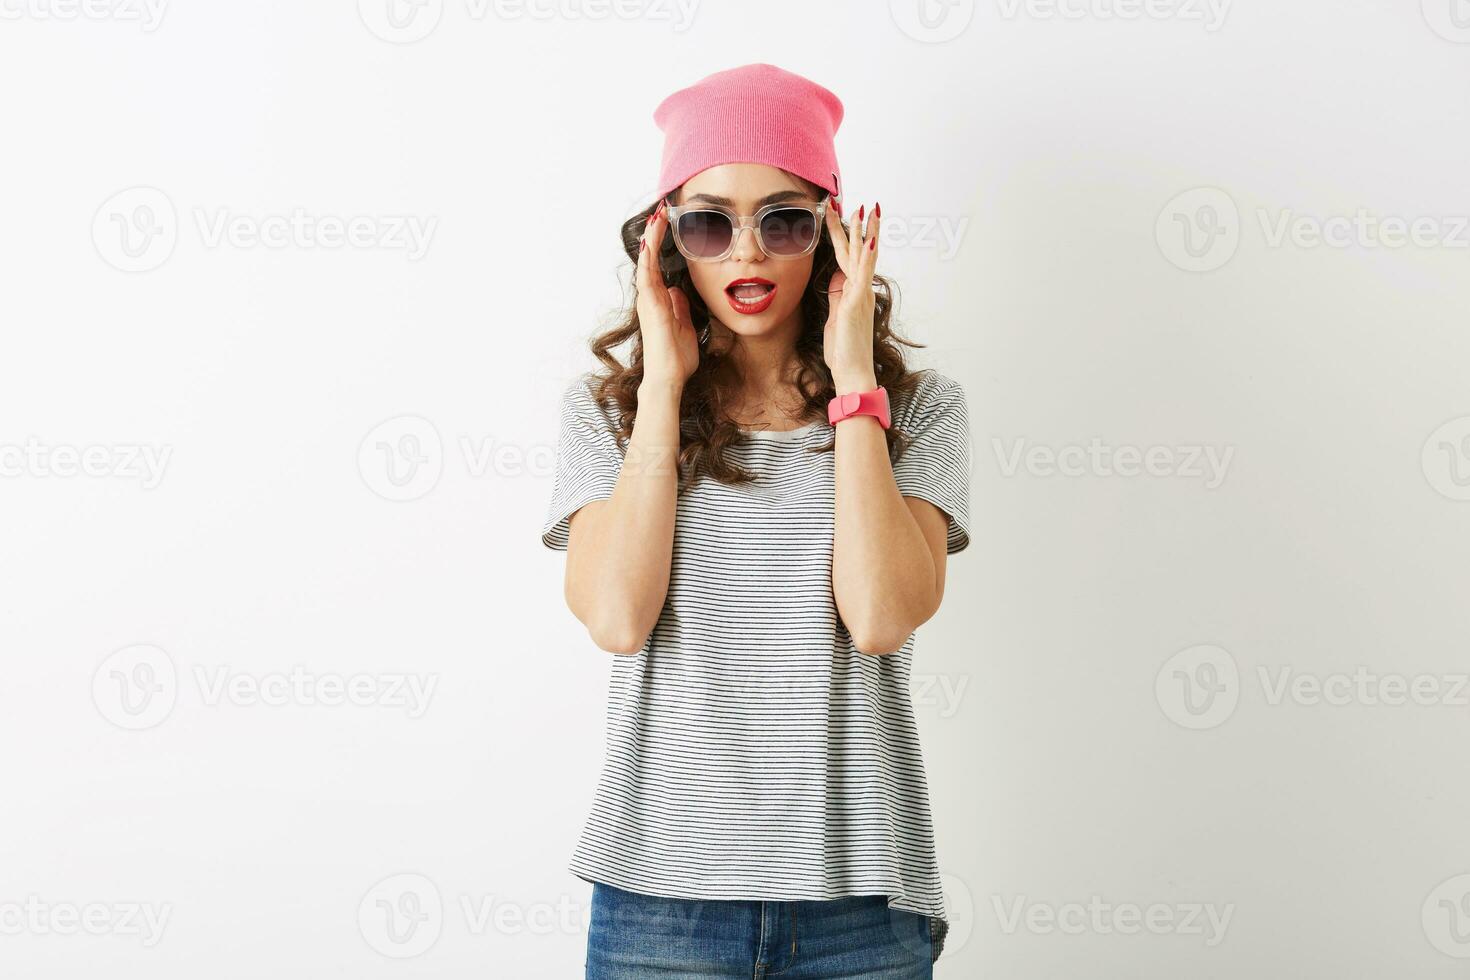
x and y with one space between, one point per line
752 324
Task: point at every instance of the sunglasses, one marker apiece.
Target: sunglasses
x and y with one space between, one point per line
708 232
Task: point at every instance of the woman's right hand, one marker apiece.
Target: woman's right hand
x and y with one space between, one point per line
670 347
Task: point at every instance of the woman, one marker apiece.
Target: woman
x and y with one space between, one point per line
738 528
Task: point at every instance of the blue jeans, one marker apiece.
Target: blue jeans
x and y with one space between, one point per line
642 937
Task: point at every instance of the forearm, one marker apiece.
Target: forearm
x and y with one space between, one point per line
883 575
618 569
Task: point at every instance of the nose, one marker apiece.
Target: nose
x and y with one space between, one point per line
746 249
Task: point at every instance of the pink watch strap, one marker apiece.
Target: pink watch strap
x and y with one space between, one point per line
874 403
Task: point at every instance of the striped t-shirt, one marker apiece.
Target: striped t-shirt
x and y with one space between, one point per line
752 751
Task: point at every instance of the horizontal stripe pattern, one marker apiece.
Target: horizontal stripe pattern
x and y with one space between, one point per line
752 751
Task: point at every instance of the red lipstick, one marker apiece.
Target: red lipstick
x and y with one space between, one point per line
750 295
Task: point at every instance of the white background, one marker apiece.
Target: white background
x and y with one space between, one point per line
1070 753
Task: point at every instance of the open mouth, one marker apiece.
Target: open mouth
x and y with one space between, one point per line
750 295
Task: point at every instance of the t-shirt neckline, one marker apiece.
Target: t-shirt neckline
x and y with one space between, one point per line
783 435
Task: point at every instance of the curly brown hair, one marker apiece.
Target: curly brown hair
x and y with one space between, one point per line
705 429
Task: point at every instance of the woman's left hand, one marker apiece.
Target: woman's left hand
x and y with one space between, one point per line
847 339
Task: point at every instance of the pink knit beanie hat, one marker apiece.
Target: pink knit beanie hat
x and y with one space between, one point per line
752 114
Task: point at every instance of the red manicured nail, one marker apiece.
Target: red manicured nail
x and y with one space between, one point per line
861 208
878 210
871 242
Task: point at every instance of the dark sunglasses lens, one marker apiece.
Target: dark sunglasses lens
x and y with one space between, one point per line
705 234
789 231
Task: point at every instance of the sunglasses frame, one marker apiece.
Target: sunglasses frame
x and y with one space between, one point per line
739 222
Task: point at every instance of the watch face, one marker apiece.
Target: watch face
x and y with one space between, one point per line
881 398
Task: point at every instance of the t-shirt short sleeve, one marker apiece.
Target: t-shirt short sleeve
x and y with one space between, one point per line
936 464
588 461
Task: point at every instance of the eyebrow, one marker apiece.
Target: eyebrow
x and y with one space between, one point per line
768 199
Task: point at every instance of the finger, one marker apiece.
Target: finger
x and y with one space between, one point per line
680 304
658 230
870 251
656 224
640 264
836 285
648 254
859 239
840 245
835 200
643 239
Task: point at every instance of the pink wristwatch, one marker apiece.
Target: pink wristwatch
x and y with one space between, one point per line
874 403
